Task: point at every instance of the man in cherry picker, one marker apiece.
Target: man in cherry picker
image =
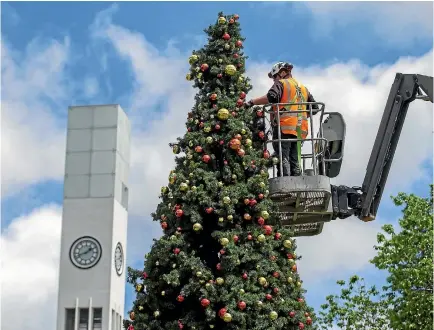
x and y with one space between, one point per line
292 125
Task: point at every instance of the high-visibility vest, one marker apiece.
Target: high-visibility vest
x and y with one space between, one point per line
293 92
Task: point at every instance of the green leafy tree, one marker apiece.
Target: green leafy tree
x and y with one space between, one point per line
223 261
406 301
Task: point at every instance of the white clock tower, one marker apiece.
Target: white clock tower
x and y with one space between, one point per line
94 221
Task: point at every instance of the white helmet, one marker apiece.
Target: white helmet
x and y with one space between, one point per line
278 67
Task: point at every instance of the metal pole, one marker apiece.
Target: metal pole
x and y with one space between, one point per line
313 146
279 137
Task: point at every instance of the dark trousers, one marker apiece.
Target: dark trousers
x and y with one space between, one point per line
289 155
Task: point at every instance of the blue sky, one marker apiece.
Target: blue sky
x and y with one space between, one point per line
93 53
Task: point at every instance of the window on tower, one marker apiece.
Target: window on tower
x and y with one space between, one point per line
84 319
113 320
120 322
97 318
69 319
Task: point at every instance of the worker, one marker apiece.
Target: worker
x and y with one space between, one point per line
292 125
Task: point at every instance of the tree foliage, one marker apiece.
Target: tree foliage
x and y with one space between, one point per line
223 262
406 301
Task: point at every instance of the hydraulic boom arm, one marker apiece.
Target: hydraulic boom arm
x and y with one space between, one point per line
364 202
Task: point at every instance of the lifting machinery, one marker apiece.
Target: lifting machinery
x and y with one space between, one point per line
306 202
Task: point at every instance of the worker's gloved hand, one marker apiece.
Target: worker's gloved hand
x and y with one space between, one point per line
249 104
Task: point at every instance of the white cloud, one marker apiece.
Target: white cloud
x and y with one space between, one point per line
32 138
90 87
399 23
29 270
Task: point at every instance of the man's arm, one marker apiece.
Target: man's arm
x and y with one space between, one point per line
273 96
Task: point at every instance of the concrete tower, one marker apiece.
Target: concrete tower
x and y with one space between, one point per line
94 221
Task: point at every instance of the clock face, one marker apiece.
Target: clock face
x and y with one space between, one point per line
85 252
119 259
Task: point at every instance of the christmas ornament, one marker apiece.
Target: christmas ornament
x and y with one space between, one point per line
294 268
227 317
241 152
291 314
268 296
206 158
179 213
156 313
262 281
236 238
245 276
248 142
221 20
249 237
223 114
261 238
197 227
209 210
236 55
224 241
240 102
265 215
193 59
163 293
231 21
226 36
287 243
217 127
273 315
164 225
204 302
132 316
219 75
277 236
308 320
176 250
239 43
204 67
266 154
236 16
234 144
301 326
188 77
226 200
180 298
230 70
241 305
219 280
248 217
227 46
183 187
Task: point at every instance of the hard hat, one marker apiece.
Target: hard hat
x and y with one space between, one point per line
278 67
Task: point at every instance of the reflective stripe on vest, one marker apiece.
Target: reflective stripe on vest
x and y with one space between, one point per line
293 92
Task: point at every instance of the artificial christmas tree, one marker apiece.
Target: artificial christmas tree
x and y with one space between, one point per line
223 261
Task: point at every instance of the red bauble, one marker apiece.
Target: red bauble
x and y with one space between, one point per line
222 142
198 149
261 196
308 320
231 21
217 127
249 237
241 305
234 114
242 95
300 300
277 236
213 96
291 314
266 154
301 326
222 311
180 298
226 36
222 251
290 256
269 296
238 137
261 135
236 55
177 207
276 290
201 124
246 201
180 325
178 228
240 65
179 213
245 276
204 302
219 75
204 67
261 221
189 129
268 230
236 238
273 258
145 275
294 268
259 113
241 152
218 266
276 274
306 314
176 250
206 158
164 225
209 210
240 102
239 43
225 162
253 202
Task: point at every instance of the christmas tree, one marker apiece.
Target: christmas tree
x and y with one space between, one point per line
223 262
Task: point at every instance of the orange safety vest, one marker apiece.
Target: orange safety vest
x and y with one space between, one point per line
293 92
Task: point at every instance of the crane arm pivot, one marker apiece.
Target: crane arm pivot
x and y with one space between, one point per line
364 201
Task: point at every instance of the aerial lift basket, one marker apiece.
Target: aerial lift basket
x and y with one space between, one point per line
305 202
